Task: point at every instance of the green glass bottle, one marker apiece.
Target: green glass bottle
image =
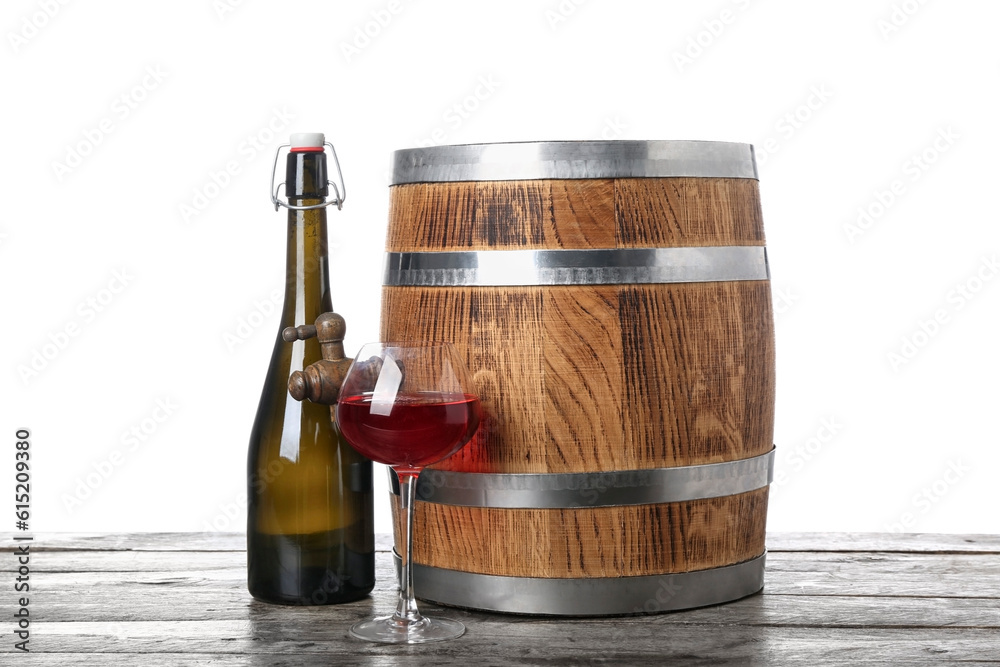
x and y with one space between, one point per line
310 524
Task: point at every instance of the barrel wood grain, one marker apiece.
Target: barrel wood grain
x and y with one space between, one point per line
574 214
619 541
583 382
581 214
699 372
678 212
499 332
596 378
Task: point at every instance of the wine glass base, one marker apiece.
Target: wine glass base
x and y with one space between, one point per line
388 630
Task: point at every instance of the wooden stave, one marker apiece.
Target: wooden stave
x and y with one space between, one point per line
574 214
573 347
699 535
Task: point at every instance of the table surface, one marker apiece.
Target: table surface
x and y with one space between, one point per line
155 599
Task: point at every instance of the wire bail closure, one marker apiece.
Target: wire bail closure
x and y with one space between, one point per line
341 191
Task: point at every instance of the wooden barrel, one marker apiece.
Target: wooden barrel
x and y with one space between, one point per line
613 300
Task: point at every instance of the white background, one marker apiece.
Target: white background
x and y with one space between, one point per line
122 313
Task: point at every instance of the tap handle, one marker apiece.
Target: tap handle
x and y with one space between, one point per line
291 334
329 329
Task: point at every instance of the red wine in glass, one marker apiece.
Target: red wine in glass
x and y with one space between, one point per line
408 405
422 428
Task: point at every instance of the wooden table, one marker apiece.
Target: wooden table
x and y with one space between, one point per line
180 599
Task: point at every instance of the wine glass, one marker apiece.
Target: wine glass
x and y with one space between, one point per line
408 405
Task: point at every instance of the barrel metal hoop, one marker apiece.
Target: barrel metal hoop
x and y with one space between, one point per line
484 268
607 596
594 489
573 160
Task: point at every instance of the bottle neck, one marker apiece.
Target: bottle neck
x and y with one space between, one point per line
307 275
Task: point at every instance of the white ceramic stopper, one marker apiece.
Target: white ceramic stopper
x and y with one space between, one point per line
308 140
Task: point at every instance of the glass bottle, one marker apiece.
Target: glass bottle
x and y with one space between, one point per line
310 525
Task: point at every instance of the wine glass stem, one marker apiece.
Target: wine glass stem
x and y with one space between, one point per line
406 608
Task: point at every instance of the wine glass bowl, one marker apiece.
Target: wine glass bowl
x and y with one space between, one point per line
422 428
408 405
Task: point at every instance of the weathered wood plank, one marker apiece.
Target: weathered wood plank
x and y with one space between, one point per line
781 541
228 541
970 577
941 575
922 589
944 575
967 576
884 542
208 541
221 594
129 561
168 605
532 644
413 655
180 599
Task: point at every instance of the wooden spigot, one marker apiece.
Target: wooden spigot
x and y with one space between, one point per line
320 382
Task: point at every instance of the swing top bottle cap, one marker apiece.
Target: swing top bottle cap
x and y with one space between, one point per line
307 141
